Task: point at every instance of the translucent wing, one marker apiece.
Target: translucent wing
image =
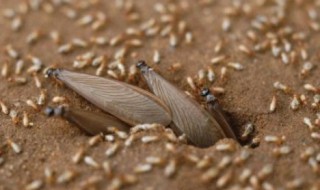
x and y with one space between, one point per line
199 126
128 103
94 123
218 114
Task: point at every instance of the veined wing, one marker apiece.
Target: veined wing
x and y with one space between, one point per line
94 123
199 126
119 99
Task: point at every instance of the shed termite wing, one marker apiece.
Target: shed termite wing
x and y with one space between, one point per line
217 112
126 102
197 123
90 122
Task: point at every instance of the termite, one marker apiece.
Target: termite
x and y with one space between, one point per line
217 112
126 102
188 116
90 122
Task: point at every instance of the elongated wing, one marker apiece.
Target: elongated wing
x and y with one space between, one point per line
218 114
94 123
117 98
199 126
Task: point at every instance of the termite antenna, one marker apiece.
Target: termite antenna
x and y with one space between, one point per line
142 66
52 72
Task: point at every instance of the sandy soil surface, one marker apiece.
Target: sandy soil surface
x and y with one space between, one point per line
273 41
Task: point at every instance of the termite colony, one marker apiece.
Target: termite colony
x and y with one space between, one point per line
227 164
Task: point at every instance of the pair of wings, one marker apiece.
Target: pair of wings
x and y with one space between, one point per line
124 101
136 106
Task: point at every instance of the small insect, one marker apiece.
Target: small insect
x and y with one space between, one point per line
280 151
210 174
249 128
170 169
34 185
149 139
5 70
217 112
32 104
66 176
15 147
78 155
93 141
143 168
156 57
205 162
4 108
90 122
273 103
224 179
187 115
12 52
130 106
126 102
154 160
91 162
112 150
245 174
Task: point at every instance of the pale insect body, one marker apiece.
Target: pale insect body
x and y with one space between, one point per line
34 185
12 52
66 176
5 70
4 108
91 162
19 66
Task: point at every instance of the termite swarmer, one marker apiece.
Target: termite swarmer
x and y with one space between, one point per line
130 105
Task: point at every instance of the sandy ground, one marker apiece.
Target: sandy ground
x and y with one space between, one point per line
50 143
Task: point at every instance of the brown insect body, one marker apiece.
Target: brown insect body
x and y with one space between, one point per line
217 112
126 102
199 126
91 122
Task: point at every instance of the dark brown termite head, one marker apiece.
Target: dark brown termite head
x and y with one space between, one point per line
52 72
142 66
58 111
205 92
49 111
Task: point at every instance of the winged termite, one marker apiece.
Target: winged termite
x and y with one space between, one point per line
193 120
217 112
126 102
91 122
